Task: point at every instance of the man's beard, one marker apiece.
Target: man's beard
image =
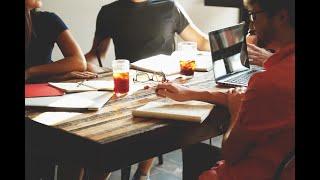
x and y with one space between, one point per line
266 38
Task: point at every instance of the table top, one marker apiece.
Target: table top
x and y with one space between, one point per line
113 128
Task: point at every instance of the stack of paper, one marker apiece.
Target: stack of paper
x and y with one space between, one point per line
92 85
91 100
159 63
193 111
169 65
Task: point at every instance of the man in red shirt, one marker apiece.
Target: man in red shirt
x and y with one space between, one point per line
262 126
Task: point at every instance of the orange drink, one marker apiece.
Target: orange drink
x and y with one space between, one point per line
187 54
121 82
120 70
187 67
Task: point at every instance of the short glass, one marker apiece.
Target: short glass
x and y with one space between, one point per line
187 67
120 70
187 53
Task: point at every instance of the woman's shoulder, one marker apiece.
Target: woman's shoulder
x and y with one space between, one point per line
45 15
48 22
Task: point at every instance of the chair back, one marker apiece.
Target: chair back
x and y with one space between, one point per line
286 169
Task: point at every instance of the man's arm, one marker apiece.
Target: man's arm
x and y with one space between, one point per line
100 49
191 33
181 93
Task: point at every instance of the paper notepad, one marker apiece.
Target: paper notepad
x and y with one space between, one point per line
82 86
193 111
169 65
159 63
91 100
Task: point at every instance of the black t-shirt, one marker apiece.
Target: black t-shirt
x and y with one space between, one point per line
140 30
46 28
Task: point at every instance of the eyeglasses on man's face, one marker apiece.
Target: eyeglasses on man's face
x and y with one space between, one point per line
144 77
253 15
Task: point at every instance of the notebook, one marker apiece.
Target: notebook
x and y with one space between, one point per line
192 111
91 100
93 85
40 90
169 64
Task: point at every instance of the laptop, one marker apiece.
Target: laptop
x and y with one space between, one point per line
230 57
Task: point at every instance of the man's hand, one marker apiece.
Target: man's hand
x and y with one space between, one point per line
80 75
173 91
257 56
234 98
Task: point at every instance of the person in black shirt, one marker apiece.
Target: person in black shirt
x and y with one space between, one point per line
42 30
140 29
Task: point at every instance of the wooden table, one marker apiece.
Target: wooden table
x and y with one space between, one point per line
111 138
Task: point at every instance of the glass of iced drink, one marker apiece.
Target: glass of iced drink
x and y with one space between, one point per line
187 54
120 69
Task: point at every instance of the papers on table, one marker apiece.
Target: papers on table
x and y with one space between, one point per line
54 118
92 85
90 100
169 65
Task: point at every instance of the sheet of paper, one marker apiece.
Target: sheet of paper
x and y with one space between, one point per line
71 87
159 63
88 100
54 118
100 84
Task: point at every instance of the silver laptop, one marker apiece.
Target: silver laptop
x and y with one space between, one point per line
230 57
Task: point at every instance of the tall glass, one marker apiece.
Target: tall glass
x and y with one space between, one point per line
187 54
121 76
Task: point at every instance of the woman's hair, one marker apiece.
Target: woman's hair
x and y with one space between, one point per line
273 6
28 27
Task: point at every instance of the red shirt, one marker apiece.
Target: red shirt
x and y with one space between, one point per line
265 128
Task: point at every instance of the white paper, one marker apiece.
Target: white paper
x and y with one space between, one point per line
88 100
159 63
91 85
54 118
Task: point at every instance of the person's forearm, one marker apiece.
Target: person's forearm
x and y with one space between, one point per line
210 97
58 67
203 44
91 57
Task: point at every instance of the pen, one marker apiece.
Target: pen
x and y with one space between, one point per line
81 83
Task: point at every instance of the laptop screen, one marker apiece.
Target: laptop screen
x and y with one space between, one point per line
229 50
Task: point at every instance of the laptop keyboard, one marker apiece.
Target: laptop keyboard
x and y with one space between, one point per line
242 79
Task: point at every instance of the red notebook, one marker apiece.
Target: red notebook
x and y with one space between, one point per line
41 90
